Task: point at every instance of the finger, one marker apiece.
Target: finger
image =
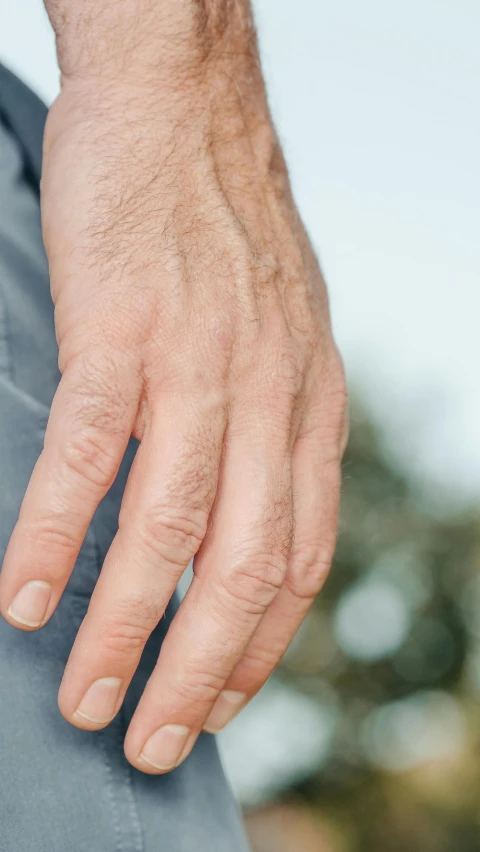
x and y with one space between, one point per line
89 427
316 469
162 523
238 573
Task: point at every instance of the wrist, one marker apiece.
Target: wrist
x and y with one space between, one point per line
195 67
198 97
146 41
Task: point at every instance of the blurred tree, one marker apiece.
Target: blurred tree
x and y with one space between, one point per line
393 645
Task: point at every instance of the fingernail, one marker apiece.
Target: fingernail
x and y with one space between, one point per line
31 603
99 703
166 746
227 705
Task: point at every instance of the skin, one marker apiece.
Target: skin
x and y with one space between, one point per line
190 312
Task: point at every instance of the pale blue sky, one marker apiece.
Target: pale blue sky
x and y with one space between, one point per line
377 106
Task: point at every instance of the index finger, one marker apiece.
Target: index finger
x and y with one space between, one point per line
88 430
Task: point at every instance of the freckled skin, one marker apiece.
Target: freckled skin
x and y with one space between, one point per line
190 312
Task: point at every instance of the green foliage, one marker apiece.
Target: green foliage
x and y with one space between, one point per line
390 538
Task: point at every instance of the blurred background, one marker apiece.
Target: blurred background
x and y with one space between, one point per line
368 737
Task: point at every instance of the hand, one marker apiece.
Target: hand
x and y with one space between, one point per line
190 312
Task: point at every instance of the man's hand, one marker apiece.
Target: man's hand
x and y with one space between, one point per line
190 312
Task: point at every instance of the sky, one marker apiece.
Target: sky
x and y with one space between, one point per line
377 107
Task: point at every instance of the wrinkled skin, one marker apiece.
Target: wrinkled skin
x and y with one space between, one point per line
190 312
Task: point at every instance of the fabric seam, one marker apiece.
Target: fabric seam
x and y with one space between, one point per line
111 792
7 335
128 782
127 777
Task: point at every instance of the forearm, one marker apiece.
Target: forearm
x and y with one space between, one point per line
148 40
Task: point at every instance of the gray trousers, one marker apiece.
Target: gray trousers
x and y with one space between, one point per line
62 789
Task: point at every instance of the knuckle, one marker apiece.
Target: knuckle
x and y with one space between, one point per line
254 583
327 413
52 536
217 339
173 534
285 370
237 261
259 660
87 455
309 568
123 637
94 394
197 690
124 640
125 631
